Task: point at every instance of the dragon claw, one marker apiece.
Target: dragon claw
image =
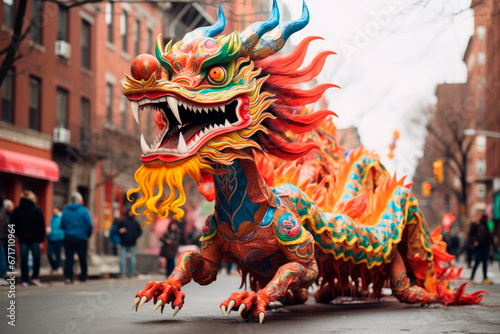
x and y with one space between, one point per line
223 310
161 293
261 317
143 300
241 309
158 304
232 302
136 303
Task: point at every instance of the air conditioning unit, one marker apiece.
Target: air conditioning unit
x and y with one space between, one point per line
62 135
63 49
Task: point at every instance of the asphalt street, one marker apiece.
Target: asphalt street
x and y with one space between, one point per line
105 306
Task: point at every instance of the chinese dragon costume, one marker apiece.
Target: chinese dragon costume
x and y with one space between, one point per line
227 109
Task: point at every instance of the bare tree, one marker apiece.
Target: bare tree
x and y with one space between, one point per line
446 140
21 31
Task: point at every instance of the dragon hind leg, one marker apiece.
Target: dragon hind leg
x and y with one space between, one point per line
401 288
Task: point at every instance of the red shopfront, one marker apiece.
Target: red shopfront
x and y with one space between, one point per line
19 171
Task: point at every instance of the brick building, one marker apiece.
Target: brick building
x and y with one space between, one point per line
47 92
475 59
470 108
492 112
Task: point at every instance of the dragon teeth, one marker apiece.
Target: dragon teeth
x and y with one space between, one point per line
227 124
172 103
181 147
223 108
144 145
135 110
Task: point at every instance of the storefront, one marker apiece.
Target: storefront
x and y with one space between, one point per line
19 171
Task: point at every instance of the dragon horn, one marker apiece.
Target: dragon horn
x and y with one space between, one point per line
250 36
209 31
159 54
274 40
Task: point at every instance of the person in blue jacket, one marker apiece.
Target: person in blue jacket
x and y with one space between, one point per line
55 240
77 227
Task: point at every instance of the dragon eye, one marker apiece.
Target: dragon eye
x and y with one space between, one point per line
217 75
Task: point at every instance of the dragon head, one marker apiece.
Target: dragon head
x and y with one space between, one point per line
217 99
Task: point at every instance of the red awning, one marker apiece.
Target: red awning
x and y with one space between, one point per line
23 164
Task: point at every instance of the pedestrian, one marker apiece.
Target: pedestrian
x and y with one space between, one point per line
170 244
482 244
4 222
469 244
77 227
114 236
55 240
29 225
129 230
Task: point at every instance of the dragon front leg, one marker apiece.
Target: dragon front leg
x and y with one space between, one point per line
190 265
293 276
290 276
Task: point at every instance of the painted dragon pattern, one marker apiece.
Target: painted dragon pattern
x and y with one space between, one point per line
229 112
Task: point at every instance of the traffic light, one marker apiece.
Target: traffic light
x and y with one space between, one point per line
438 170
426 189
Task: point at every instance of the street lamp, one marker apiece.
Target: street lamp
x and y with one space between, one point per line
473 132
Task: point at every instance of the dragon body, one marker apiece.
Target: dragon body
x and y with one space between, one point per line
227 110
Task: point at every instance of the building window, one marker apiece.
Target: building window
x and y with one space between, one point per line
109 21
481 166
85 44
480 143
85 125
480 32
62 108
36 27
123 29
480 191
109 103
149 41
35 103
124 112
62 24
137 34
8 97
8 13
481 58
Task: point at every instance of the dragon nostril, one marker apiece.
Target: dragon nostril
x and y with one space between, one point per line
144 66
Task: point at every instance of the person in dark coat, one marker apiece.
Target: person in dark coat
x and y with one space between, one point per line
77 227
30 229
170 244
483 241
469 243
55 240
129 230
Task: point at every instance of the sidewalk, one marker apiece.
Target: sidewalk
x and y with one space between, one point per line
99 266
493 272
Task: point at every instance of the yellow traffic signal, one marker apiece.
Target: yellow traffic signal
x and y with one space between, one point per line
438 170
426 189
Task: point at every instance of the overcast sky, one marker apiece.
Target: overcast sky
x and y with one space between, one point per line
390 57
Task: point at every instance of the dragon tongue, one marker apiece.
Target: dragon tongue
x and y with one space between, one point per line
172 103
181 147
